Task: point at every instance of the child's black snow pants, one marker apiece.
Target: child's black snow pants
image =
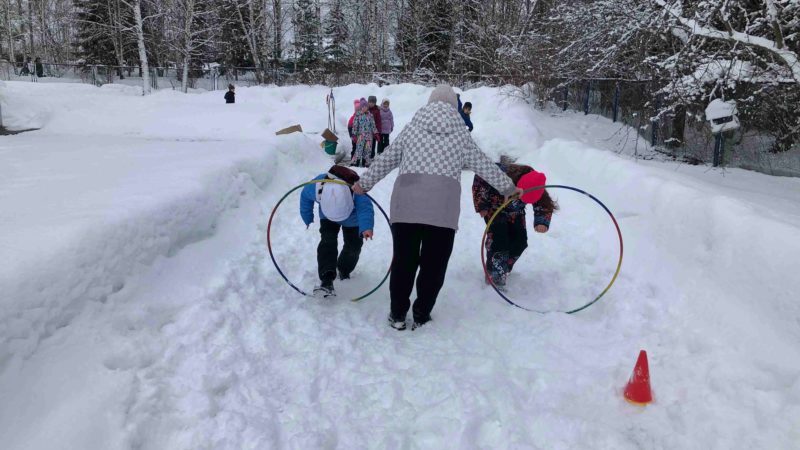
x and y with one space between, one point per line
328 257
505 243
383 143
418 247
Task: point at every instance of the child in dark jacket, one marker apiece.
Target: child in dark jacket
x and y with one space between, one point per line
372 101
339 209
230 96
507 238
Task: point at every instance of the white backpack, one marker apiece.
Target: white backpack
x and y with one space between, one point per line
335 201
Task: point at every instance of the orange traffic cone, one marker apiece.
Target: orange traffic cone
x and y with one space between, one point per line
638 389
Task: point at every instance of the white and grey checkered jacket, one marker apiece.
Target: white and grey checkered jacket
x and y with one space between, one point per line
431 152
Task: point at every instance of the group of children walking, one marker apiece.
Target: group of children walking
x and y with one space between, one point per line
369 128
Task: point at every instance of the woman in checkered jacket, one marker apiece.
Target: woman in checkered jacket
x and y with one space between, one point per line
430 152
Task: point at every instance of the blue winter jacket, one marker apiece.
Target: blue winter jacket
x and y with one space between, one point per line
363 216
464 116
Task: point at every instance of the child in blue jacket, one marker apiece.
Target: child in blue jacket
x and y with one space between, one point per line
339 208
465 110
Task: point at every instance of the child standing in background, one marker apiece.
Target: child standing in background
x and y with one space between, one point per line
465 110
376 116
387 125
364 130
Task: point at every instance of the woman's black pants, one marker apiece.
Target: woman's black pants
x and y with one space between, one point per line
418 247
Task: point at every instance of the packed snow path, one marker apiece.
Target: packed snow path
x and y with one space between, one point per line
140 309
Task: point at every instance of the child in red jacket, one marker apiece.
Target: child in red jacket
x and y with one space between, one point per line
353 138
507 238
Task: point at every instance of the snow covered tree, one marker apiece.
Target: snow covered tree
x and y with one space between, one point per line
96 44
239 42
336 35
193 27
496 36
10 30
409 43
138 27
107 31
747 51
278 18
438 35
252 22
692 50
307 34
104 35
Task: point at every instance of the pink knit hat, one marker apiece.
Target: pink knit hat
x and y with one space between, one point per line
357 104
532 180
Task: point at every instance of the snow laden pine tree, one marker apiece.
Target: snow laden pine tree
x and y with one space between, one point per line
248 22
103 36
307 34
425 35
336 37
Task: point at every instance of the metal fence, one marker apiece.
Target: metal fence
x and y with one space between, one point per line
98 75
682 135
218 76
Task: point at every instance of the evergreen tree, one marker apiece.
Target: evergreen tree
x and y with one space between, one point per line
307 33
425 35
95 42
438 36
336 34
233 48
408 43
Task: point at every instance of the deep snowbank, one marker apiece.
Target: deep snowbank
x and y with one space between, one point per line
732 257
109 185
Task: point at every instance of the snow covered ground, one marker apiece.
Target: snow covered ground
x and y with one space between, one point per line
139 309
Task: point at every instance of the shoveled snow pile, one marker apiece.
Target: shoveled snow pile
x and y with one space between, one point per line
139 308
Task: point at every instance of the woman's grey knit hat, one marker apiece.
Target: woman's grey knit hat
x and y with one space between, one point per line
444 93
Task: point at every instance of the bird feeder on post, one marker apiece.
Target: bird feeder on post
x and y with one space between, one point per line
722 116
